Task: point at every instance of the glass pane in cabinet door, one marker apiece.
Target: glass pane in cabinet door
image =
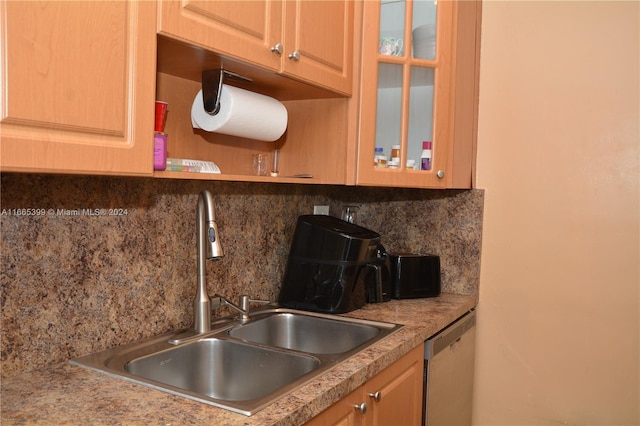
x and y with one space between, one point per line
392 14
423 29
420 117
388 110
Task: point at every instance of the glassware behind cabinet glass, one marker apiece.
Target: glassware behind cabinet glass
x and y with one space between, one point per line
404 110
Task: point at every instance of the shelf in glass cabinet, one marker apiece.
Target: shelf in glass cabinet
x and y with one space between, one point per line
391 76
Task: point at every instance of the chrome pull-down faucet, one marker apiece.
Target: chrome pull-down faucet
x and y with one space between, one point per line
209 247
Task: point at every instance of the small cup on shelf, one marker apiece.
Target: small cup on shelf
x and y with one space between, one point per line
391 46
260 164
275 163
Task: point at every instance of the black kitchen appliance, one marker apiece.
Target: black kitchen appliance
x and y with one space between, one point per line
334 267
414 275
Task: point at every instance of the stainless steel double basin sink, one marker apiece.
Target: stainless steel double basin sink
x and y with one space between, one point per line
242 366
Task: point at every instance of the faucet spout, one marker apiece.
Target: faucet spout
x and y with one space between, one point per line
208 247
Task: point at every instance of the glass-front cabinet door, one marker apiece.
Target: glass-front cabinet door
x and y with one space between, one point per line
408 97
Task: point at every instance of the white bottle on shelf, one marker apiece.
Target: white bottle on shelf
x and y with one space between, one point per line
425 158
379 158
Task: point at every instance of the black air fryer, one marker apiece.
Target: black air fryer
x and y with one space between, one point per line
334 267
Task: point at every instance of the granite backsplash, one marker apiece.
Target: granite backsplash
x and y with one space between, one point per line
89 263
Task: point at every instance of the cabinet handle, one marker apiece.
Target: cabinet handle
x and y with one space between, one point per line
362 408
277 48
377 396
295 56
440 174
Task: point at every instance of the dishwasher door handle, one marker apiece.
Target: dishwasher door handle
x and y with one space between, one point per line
454 346
452 334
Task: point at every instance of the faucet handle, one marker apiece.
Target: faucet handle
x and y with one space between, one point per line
218 301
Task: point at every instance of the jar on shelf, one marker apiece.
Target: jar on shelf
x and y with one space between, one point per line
379 157
395 152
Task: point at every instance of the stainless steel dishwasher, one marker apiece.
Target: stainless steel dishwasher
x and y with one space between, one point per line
448 374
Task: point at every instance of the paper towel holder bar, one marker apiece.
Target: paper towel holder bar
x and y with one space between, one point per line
212 86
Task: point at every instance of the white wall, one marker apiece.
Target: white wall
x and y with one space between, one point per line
558 154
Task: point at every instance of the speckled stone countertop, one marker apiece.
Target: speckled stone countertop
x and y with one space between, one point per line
66 394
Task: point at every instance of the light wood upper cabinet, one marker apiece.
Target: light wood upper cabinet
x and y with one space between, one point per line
424 87
78 85
315 88
321 32
241 29
393 397
310 41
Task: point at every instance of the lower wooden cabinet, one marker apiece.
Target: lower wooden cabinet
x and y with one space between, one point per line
393 397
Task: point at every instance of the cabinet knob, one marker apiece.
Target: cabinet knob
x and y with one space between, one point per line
377 396
361 408
277 48
295 56
440 174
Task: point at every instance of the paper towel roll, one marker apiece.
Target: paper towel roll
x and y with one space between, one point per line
242 113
